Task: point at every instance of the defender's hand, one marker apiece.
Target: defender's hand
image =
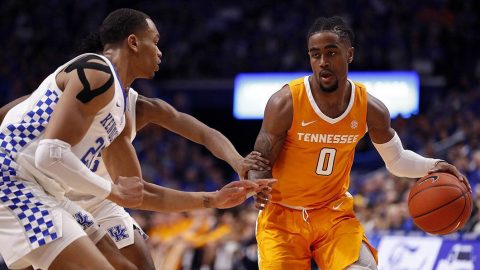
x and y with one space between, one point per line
253 161
127 192
233 194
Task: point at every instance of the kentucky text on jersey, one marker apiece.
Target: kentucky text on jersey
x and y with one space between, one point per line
327 138
109 124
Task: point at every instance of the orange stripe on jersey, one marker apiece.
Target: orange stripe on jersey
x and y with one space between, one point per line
313 168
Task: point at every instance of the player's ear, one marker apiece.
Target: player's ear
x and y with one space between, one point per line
132 42
350 53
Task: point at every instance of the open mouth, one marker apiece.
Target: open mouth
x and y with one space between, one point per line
326 74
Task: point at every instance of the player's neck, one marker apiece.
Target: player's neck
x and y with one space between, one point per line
335 97
335 103
121 65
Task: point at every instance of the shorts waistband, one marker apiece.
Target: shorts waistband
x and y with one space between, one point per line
299 208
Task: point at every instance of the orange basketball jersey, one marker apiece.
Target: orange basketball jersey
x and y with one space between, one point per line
313 168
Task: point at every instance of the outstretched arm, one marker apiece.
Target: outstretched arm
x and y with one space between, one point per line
121 159
399 161
276 122
157 111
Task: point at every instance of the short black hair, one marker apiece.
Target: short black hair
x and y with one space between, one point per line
117 26
121 23
333 24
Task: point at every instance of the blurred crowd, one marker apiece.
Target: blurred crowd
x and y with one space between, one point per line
217 39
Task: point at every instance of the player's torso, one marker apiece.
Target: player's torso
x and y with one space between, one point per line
314 165
90 202
24 125
107 125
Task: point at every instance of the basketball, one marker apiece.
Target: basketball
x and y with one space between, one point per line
439 203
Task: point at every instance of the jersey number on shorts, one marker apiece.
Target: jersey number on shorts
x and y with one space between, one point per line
89 159
326 159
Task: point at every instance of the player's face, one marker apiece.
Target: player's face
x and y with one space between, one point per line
329 59
148 52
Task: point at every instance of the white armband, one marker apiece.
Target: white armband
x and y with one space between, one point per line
404 163
56 159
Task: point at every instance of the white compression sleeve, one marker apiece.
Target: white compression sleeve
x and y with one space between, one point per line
56 159
401 162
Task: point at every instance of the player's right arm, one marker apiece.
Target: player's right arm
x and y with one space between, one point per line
70 121
276 123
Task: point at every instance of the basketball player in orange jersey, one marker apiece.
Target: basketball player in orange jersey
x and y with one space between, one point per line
309 133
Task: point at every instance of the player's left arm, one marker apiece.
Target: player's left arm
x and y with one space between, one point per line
120 159
4 110
159 112
399 161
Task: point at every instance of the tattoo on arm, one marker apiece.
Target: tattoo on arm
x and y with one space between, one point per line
270 146
207 201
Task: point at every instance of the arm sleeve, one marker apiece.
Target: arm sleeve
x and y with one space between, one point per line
401 162
56 159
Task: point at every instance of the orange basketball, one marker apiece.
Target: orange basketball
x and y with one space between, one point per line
439 203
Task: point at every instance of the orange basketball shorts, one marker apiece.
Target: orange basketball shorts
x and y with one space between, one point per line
288 238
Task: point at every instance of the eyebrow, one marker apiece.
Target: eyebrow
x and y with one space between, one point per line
330 46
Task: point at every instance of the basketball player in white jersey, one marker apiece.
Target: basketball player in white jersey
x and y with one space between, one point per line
33 152
113 219
83 218
121 227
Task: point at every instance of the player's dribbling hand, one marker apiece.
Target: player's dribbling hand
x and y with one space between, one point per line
253 161
443 166
127 191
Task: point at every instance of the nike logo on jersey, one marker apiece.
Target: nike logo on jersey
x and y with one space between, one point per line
304 124
118 105
336 207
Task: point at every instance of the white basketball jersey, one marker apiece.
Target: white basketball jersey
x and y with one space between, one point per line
90 202
24 125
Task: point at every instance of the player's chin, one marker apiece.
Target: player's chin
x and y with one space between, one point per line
147 75
151 75
151 72
329 87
